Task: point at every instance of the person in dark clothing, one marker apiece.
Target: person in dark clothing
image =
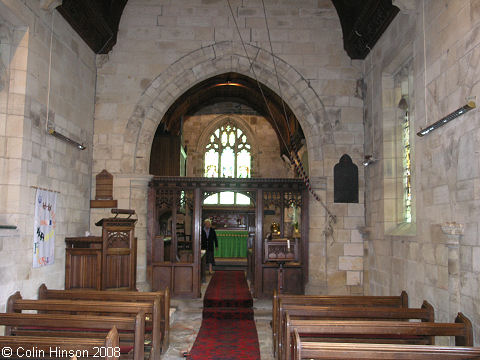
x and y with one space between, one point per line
209 243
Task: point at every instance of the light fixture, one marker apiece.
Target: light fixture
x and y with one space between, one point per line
460 111
66 139
369 159
229 83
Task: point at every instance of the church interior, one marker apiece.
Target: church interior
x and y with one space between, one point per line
330 143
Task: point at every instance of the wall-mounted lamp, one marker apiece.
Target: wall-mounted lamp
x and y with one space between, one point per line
369 159
66 139
469 106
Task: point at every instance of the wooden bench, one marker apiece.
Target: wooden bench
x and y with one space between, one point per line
16 304
392 332
425 313
344 351
332 300
109 295
62 348
131 329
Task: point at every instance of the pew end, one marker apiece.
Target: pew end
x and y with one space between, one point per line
112 341
9 309
467 339
404 299
11 301
42 292
139 335
427 306
166 314
297 346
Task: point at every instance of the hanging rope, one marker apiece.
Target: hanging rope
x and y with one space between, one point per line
291 147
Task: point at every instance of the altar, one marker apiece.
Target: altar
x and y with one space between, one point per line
231 244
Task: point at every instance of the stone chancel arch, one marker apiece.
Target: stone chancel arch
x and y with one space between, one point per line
306 105
218 58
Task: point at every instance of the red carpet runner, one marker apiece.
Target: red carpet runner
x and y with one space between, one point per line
221 338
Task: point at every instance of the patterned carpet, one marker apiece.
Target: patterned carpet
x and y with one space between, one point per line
228 330
228 289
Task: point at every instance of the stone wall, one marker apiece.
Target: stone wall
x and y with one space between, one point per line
441 37
165 47
29 157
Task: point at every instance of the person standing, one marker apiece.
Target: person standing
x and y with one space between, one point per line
209 243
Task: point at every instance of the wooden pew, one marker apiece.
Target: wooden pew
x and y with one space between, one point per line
425 313
347 351
110 295
391 332
131 329
332 300
56 348
16 304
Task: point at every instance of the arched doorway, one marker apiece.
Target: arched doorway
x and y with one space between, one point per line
235 133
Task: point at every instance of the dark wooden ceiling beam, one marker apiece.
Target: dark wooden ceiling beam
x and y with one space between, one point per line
363 22
96 21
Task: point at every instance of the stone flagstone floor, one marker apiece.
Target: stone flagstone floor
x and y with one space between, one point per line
187 318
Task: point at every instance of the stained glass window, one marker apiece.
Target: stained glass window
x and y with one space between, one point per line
228 155
404 90
407 170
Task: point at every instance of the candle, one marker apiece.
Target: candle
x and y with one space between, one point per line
288 244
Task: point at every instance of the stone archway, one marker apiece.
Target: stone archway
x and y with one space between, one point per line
209 61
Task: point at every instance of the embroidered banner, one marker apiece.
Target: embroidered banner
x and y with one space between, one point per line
44 228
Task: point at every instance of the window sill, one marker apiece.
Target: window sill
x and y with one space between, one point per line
403 229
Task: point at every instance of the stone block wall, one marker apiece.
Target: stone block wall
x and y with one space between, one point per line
166 47
441 38
29 157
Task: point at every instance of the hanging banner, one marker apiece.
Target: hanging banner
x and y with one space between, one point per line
44 228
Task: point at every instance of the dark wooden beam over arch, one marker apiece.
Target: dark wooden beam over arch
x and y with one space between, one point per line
363 22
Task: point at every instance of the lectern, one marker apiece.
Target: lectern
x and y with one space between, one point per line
107 262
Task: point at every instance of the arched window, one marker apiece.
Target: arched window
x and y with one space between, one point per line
227 154
403 83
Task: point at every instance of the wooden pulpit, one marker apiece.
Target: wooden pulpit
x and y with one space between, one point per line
107 262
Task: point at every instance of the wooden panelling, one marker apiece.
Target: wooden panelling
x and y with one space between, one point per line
83 268
165 156
293 283
269 280
292 280
107 262
183 279
161 276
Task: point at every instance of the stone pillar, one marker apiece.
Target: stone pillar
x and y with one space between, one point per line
453 233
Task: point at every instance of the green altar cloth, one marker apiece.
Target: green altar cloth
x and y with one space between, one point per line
231 243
